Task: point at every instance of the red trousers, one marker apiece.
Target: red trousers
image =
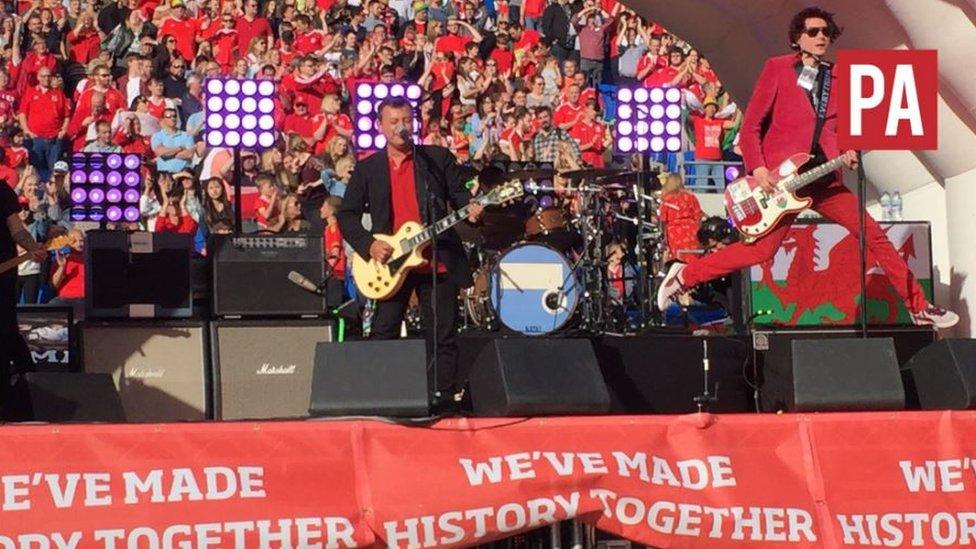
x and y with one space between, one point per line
837 204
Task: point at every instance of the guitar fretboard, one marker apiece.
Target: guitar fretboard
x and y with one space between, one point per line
806 178
431 231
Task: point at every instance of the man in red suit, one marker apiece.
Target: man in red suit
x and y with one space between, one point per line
779 122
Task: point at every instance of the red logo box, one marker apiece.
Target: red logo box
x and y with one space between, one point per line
888 99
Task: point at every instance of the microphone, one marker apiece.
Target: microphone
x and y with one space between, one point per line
404 134
304 283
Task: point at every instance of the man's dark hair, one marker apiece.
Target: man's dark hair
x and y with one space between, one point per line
521 112
798 24
543 108
393 103
718 229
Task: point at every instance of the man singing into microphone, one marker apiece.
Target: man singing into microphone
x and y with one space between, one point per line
407 182
781 120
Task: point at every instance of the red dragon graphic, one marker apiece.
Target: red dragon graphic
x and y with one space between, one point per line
835 289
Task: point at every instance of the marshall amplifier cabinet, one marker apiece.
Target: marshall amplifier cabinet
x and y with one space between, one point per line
262 369
137 275
160 368
250 276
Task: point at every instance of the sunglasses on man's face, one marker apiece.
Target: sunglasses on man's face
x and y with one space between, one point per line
812 32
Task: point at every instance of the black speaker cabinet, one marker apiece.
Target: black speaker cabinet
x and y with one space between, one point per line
161 369
263 368
137 275
817 375
64 397
943 375
250 275
375 378
531 377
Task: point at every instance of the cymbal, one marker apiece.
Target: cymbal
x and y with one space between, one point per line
629 177
531 174
590 173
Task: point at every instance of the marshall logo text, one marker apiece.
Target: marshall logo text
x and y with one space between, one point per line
267 369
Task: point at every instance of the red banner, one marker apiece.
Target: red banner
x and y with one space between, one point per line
827 480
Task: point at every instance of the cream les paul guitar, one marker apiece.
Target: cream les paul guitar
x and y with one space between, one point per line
381 281
756 212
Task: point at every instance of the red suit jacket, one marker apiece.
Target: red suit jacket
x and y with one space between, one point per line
784 110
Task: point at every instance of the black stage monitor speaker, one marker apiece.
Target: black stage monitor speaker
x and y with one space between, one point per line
944 375
137 275
159 368
263 368
375 378
64 397
818 375
250 275
531 377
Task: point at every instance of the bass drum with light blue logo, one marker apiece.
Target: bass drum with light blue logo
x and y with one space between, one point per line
533 289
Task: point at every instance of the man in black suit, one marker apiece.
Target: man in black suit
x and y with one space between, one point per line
407 182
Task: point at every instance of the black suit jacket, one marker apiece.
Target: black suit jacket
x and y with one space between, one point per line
369 192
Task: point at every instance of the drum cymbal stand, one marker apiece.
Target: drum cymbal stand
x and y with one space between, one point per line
593 268
646 248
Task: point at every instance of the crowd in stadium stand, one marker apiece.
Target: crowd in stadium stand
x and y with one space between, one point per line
504 80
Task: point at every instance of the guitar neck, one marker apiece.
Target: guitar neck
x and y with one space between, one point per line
13 262
431 232
804 179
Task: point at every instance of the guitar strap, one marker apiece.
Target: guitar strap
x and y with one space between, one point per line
823 94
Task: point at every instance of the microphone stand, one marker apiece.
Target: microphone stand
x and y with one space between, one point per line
432 218
862 241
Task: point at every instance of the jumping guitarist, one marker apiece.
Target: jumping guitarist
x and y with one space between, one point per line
781 121
392 187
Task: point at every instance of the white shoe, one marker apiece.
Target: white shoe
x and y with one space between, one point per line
935 316
670 286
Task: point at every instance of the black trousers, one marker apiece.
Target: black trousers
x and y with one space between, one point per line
389 316
15 356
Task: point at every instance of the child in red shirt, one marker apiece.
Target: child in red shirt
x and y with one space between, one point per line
267 203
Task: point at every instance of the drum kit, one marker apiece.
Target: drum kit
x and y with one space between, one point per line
543 266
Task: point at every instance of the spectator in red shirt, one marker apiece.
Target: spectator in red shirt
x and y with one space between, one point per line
84 118
83 41
267 211
330 122
300 122
591 135
173 218
251 25
531 16
68 277
102 82
334 249
28 69
569 113
44 119
503 55
183 29
453 42
674 74
129 137
226 42
307 39
708 146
